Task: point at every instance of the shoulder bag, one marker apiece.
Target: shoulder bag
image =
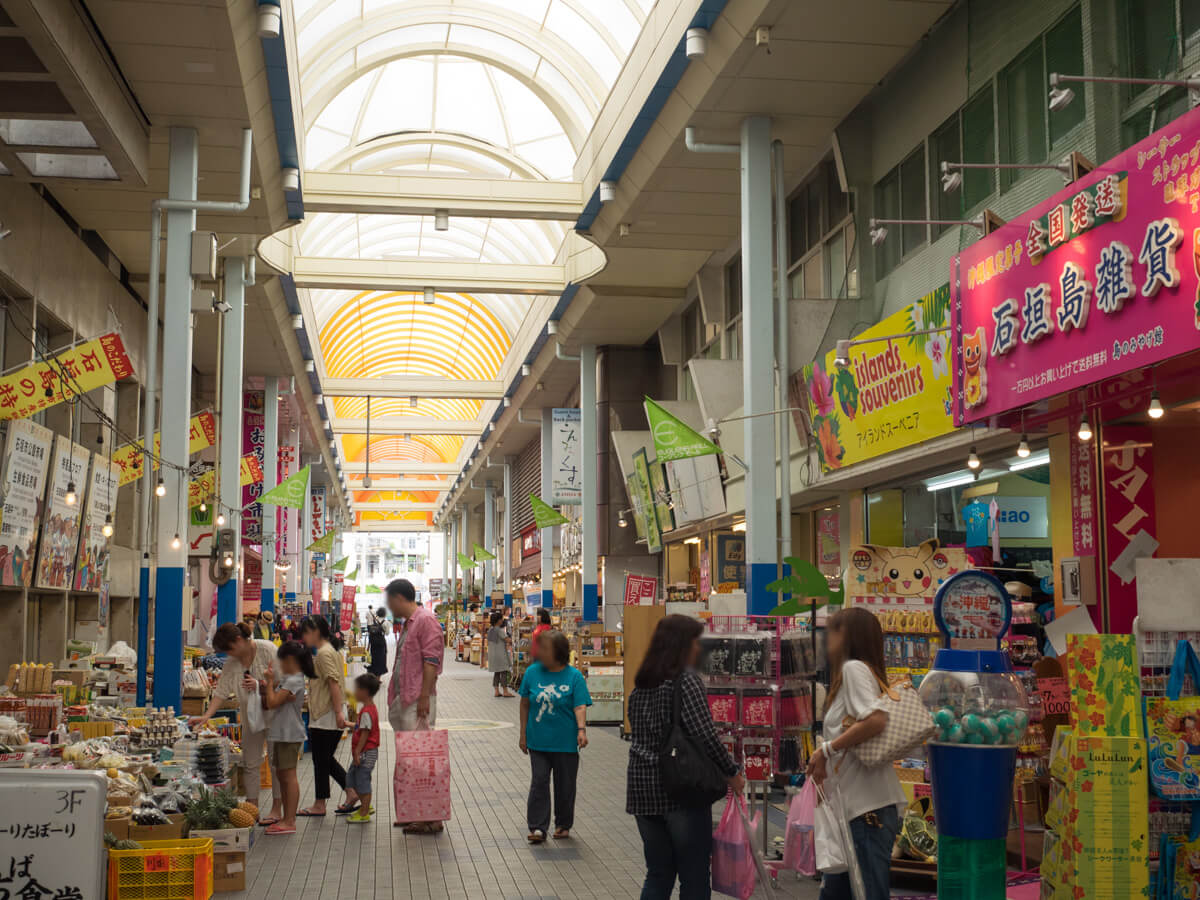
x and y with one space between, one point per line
689 776
909 725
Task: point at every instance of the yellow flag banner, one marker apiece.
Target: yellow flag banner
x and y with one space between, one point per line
202 433
205 487
87 366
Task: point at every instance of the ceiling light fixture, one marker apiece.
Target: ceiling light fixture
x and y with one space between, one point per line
270 19
290 179
220 520
108 525
1156 410
176 542
507 402
310 366
160 489
297 321
441 219
608 190
203 507
1085 428
739 526
526 370
430 296
412 402
696 43
973 461
551 326
1061 97
1023 450
70 498
691 540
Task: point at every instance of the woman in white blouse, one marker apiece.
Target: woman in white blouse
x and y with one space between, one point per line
853 714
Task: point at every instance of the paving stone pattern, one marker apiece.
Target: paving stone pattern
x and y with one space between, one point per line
483 852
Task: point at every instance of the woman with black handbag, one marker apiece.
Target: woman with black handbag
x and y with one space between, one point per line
677 766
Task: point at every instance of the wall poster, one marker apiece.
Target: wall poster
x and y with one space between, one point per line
60 530
566 472
91 564
26 465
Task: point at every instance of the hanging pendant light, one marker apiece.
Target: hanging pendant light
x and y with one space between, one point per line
1085 429
220 520
176 542
1156 410
108 526
973 461
71 497
1023 450
160 489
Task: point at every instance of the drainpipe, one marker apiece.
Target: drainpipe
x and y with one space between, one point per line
689 139
150 413
558 351
781 354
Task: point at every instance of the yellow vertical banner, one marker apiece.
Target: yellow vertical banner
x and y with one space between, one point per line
76 370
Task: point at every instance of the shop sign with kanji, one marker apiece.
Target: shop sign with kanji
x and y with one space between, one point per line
1102 278
76 370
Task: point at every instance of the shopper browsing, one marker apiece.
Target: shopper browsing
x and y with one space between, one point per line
412 691
326 710
854 713
285 735
364 748
554 702
676 838
543 625
499 656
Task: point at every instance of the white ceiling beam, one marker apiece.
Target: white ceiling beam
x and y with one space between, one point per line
393 425
423 195
413 386
449 276
400 484
409 527
399 467
392 506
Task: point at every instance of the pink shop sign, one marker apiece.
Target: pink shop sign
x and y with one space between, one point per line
1100 279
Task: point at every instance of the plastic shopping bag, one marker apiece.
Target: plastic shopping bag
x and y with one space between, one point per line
834 845
734 871
256 717
422 779
799 849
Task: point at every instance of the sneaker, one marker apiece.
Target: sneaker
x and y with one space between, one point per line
359 818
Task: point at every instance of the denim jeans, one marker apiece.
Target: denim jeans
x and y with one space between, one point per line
564 767
874 835
677 844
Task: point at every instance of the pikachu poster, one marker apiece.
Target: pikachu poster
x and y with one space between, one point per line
902 577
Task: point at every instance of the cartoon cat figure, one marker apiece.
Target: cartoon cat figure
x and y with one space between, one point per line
974 351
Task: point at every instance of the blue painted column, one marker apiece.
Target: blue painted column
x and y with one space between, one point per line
229 470
547 490
489 540
758 364
270 480
176 411
591 487
508 535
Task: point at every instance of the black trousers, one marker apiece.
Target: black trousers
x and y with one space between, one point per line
324 743
564 768
500 679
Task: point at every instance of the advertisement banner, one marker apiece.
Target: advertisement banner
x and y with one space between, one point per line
40 385
253 444
202 433
290 493
60 529
204 486
643 501
894 393
731 562
544 515
640 590
566 472
348 592
27 454
696 488
902 577
1084 509
829 541
1130 526
316 514
1100 279
673 438
91 564
251 580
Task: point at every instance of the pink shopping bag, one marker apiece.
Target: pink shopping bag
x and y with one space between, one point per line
422 779
800 849
734 870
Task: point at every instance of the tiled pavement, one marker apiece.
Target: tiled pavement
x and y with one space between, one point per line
483 852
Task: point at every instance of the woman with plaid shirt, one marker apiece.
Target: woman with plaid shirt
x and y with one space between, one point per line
676 839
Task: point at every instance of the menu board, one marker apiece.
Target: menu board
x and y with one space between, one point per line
26 462
91 564
60 529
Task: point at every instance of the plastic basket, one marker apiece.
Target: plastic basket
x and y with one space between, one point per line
162 870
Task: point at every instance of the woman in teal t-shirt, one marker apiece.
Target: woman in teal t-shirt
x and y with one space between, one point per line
554 702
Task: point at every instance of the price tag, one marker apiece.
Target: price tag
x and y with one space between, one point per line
159 862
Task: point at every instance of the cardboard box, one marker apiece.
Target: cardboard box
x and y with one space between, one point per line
172 832
194 706
228 840
229 872
77 677
118 828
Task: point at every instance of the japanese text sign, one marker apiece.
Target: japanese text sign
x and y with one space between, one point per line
1043 304
316 514
640 590
254 443
83 368
60 525
26 465
894 393
204 486
202 433
566 468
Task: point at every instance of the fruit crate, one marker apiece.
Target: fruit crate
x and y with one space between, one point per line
162 870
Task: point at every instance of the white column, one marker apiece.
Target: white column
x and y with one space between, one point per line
508 536
591 487
229 503
547 489
452 555
758 357
489 540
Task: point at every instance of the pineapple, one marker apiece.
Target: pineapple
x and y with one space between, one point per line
247 807
239 818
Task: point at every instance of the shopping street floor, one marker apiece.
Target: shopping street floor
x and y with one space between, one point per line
483 852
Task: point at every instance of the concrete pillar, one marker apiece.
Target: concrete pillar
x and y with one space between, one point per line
176 410
229 466
547 489
446 558
489 539
452 555
591 489
270 481
508 536
758 358
463 545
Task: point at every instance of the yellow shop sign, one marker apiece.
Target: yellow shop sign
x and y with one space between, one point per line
894 393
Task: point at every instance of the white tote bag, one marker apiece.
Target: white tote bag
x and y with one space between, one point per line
834 845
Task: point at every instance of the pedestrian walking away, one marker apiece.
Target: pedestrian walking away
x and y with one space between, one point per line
499 654
553 716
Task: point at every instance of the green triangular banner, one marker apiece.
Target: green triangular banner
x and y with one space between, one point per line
340 565
672 438
545 515
322 545
466 562
290 493
482 555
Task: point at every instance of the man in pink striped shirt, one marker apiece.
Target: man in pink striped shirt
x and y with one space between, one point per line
412 690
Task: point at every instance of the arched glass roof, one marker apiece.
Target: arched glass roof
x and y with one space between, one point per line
468 89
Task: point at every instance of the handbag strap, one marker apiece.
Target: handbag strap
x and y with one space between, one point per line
1185 663
676 706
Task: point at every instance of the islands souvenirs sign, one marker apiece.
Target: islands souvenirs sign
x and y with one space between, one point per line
1102 278
895 392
